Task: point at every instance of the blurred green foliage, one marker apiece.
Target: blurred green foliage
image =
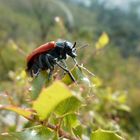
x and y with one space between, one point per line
110 100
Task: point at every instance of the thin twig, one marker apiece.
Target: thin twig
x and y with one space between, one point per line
61 132
81 66
10 99
56 128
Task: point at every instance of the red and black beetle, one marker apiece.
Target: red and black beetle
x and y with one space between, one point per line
50 54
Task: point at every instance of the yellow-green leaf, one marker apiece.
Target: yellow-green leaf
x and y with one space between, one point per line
103 41
68 106
23 112
49 98
71 121
105 135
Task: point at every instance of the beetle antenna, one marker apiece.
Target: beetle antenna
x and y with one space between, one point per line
86 45
74 45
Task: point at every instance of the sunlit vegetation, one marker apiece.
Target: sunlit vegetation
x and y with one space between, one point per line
102 104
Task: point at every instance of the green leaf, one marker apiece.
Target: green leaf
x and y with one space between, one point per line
23 112
105 135
38 83
78 131
67 106
56 137
124 107
71 121
77 73
49 98
36 133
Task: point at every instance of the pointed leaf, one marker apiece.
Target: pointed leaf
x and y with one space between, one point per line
78 131
105 135
103 41
23 112
69 105
36 133
71 121
49 98
38 83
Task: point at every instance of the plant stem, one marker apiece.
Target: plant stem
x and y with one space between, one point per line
61 132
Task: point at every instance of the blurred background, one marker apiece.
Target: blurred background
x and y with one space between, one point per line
112 31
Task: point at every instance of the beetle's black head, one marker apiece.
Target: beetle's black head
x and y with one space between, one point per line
67 48
70 49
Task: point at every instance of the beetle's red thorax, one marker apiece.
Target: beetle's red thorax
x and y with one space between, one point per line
42 49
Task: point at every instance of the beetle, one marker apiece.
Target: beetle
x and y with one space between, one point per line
50 54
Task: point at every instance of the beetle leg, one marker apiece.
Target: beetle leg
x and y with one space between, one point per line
66 70
40 61
65 65
50 67
47 61
50 74
35 74
35 70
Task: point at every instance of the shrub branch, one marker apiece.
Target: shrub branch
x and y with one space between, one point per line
61 132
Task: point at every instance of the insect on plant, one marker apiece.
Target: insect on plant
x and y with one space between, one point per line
50 54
